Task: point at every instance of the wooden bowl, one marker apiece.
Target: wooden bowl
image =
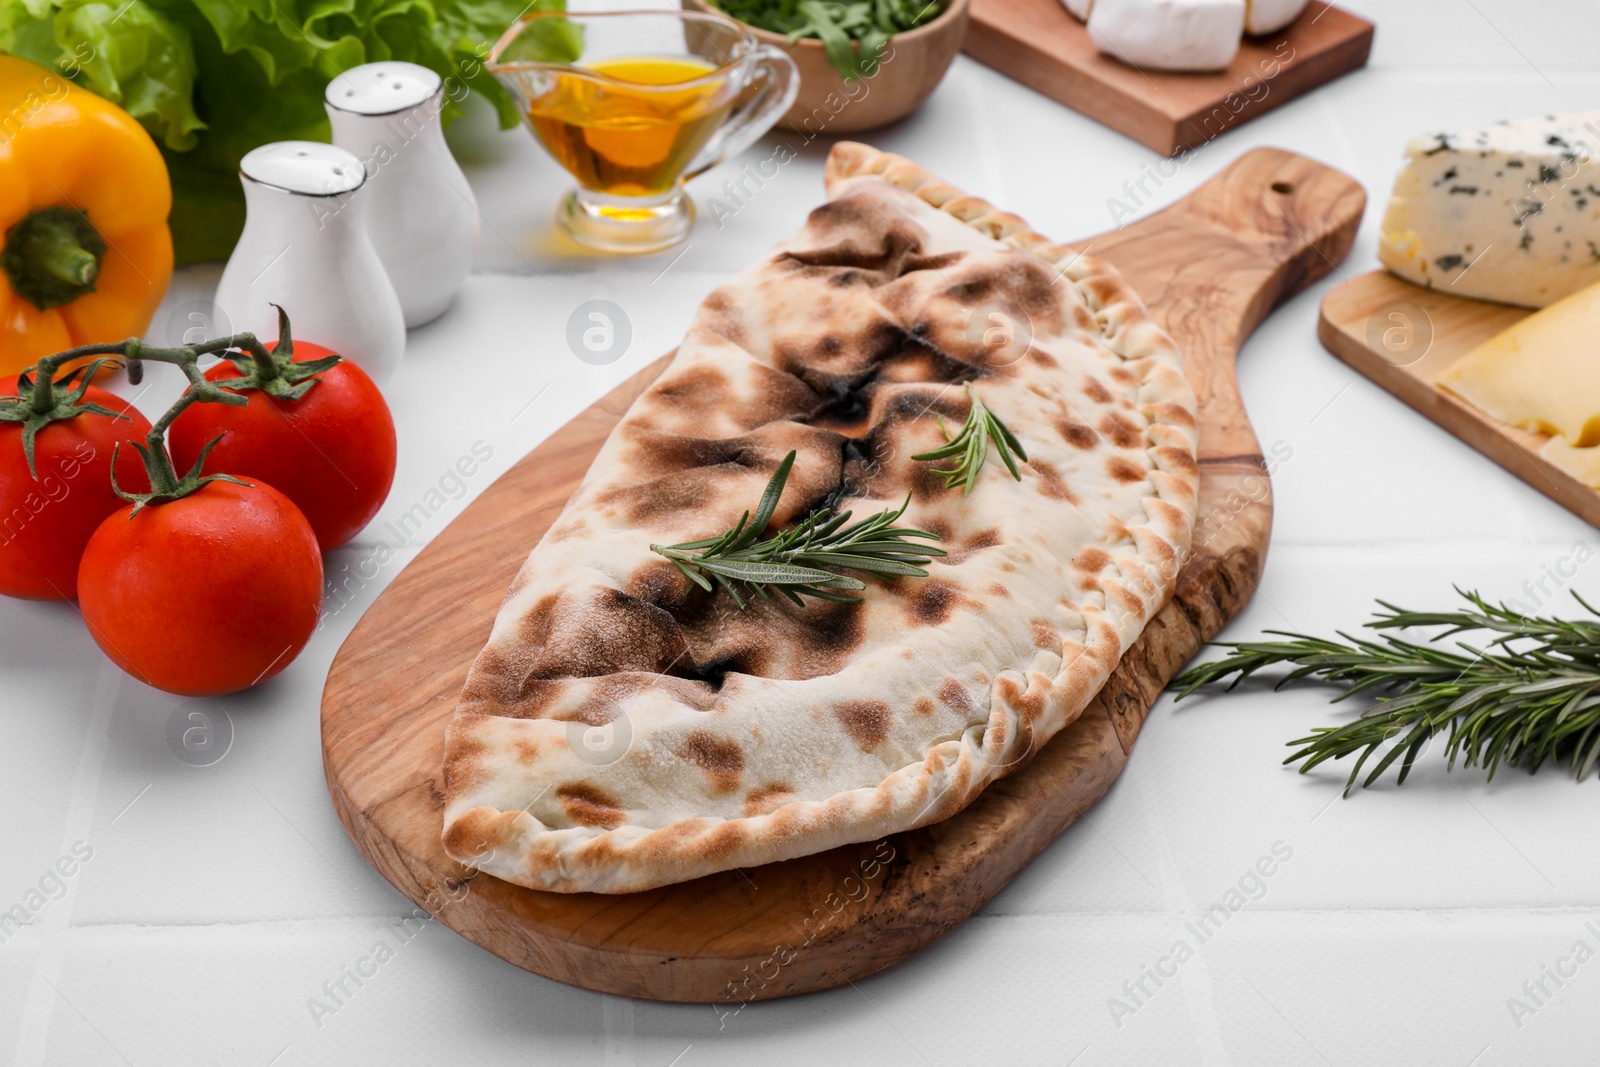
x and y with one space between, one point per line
915 63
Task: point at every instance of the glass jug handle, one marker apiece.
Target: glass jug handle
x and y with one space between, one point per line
780 82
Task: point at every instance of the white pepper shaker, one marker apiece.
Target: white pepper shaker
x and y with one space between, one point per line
420 210
305 247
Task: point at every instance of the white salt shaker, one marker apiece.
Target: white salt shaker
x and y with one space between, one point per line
305 247
420 210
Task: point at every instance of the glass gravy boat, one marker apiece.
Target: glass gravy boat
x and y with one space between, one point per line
654 98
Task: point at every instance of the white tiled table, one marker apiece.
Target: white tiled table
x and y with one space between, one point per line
218 900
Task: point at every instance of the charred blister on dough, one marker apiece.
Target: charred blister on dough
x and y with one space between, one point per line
1077 434
1121 430
1051 484
970 546
466 766
771 639
602 631
1092 560
853 231
677 500
496 685
587 804
1171 414
721 759
867 721
768 798
1178 461
1125 470
930 601
476 833
822 342
1045 636
954 695
654 453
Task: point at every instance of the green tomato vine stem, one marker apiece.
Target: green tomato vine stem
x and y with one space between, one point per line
43 398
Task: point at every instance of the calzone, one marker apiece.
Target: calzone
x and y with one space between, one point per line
623 729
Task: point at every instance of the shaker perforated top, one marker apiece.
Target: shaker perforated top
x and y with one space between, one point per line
382 88
309 168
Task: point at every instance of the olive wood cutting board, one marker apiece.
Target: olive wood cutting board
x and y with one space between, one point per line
1211 267
1041 45
1402 336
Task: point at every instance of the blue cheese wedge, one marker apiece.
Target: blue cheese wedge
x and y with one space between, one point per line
1510 212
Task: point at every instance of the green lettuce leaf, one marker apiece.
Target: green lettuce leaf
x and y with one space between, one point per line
254 27
132 55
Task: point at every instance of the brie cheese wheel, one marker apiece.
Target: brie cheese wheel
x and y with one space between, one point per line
1510 212
1168 34
1270 16
1079 8
1540 374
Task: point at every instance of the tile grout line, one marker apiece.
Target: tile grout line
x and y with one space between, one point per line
617 1037
34 1028
1196 994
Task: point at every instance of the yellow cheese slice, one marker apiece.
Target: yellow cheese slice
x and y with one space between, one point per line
1543 374
1582 463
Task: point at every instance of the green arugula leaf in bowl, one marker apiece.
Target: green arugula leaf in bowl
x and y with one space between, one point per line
840 26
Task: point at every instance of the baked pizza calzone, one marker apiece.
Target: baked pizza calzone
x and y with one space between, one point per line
624 729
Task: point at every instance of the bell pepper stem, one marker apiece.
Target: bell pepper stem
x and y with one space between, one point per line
69 261
52 256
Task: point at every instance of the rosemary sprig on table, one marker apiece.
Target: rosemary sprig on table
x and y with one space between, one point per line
792 562
1531 695
972 445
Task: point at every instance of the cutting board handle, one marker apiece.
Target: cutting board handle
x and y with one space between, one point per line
1211 267
1263 229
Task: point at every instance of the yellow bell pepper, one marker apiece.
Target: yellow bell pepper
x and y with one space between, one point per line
84 198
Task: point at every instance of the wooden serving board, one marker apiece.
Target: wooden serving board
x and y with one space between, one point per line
1211 267
1041 45
1403 336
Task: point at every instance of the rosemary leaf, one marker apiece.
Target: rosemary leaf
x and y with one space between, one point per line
1530 696
972 445
796 562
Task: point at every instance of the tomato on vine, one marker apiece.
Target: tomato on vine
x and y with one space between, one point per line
205 594
57 439
314 427
205 584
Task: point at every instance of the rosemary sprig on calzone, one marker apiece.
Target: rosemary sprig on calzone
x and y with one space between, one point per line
793 562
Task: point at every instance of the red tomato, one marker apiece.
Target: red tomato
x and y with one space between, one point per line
45 522
207 594
332 451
